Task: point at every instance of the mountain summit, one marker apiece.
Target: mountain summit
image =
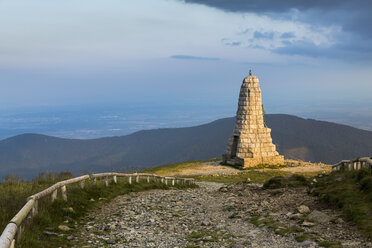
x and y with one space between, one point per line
295 138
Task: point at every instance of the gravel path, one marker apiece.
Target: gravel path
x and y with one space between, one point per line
175 218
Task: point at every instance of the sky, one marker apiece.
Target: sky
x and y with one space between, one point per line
313 58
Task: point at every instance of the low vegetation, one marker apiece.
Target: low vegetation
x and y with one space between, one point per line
177 168
43 230
294 180
213 170
350 191
254 176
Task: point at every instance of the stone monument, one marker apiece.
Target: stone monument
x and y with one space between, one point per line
251 143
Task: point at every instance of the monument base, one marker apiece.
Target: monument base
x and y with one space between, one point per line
252 162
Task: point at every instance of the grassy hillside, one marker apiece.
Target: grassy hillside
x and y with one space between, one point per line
13 195
351 192
296 138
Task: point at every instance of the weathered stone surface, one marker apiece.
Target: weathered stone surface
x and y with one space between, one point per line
303 209
206 217
251 143
64 228
319 217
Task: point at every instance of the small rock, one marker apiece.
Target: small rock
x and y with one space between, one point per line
70 209
307 224
319 217
68 218
223 189
293 227
205 223
296 216
110 241
305 243
339 221
64 228
303 209
46 233
92 200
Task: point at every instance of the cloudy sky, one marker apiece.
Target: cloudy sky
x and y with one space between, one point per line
312 57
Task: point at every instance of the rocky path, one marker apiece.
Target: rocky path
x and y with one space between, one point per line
202 217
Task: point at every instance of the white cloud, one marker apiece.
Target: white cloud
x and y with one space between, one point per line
79 33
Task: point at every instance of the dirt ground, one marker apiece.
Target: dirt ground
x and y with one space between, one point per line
214 167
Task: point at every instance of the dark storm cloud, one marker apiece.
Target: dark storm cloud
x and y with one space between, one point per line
353 16
339 51
268 5
188 57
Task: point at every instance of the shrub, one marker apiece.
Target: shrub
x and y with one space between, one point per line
366 184
296 180
281 182
362 173
274 183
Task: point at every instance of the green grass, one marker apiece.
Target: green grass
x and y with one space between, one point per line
294 180
14 193
352 192
330 244
51 215
278 228
175 168
256 176
210 235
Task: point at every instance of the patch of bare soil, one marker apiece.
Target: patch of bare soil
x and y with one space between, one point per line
208 168
214 167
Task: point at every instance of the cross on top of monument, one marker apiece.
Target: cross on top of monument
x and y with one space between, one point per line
250 72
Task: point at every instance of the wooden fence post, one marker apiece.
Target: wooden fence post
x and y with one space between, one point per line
106 181
64 192
12 245
148 179
173 182
130 180
35 209
19 233
54 195
137 179
115 179
166 181
162 180
82 184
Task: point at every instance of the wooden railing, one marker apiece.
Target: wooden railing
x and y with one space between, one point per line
357 164
13 230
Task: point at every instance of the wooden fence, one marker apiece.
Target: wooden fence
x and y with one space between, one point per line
13 230
356 164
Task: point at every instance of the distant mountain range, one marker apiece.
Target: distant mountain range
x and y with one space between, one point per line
296 138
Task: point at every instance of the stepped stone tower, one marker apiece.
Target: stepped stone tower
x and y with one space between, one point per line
251 143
